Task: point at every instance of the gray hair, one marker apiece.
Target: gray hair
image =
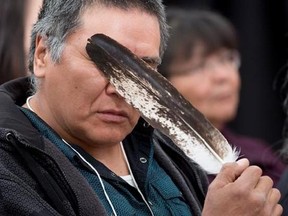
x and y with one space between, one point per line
59 18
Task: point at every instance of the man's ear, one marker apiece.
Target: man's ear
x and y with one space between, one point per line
41 56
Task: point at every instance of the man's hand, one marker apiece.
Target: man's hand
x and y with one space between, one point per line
240 190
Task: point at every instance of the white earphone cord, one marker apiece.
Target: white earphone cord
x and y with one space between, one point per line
101 182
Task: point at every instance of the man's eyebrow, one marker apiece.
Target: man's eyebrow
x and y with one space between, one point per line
152 61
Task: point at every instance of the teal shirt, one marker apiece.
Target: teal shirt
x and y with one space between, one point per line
161 193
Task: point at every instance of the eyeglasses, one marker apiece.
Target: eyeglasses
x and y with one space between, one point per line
224 59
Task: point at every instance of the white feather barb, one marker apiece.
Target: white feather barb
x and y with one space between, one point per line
160 104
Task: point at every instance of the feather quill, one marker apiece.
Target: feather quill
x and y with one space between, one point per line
160 104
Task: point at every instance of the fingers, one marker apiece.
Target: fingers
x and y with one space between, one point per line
272 202
253 173
277 211
246 189
230 172
244 162
264 185
259 190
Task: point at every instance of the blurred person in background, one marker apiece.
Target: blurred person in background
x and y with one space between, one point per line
202 61
16 20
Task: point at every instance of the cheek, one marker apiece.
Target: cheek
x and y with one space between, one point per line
86 83
134 117
195 92
238 83
235 85
80 94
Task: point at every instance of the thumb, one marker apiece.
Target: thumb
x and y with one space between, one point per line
244 163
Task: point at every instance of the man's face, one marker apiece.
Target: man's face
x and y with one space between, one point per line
75 98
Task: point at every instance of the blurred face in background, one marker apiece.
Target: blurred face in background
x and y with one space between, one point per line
210 82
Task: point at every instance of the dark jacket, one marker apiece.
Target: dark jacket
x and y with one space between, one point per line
37 179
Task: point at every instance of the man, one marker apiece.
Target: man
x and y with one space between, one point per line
77 148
